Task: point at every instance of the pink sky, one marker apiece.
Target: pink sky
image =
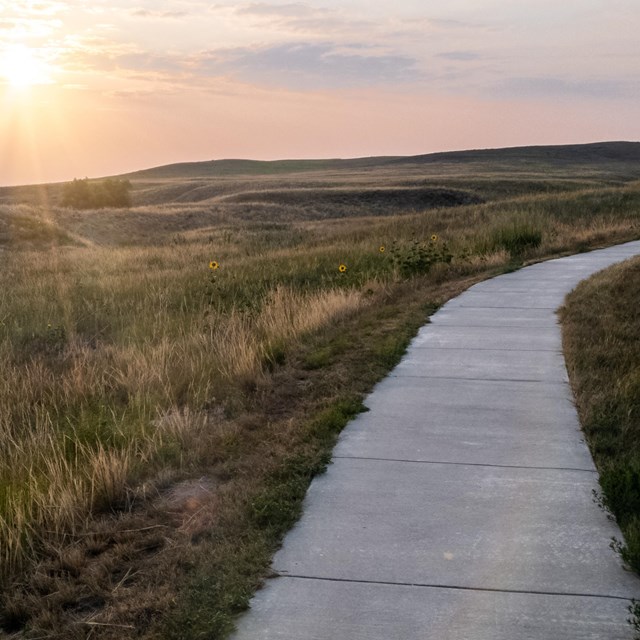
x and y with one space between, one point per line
92 89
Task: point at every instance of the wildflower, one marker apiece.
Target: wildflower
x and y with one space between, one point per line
434 238
342 268
381 249
213 265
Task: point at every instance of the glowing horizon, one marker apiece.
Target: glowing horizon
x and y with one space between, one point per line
107 88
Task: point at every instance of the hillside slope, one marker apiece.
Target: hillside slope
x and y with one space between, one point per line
595 153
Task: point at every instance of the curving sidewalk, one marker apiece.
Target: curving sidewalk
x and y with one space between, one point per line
460 506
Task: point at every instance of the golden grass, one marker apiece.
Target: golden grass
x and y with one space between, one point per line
78 404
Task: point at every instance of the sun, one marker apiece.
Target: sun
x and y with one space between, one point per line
22 67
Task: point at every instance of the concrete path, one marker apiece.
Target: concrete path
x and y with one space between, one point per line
460 506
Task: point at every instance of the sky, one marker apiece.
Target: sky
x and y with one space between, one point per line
101 87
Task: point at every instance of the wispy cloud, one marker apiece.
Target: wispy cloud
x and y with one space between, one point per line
303 18
295 66
456 25
42 8
555 87
150 94
459 56
292 10
148 13
27 27
93 53
309 66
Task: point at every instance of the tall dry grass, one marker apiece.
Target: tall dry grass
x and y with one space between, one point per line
91 363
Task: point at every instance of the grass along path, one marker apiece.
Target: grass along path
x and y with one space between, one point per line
601 336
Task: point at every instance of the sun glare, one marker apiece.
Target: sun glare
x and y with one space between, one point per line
21 67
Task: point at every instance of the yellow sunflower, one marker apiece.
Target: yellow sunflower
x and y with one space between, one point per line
381 249
434 238
342 268
213 265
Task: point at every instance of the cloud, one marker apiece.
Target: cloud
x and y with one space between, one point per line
462 56
140 94
298 66
87 54
25 27
554 87
30 21
297 17
454 24
147 13
44 8
310 66
144 61
293 10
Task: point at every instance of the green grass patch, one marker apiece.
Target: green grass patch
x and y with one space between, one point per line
601 329
517 237
318 358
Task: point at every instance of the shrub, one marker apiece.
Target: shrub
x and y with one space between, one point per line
419 257
82 194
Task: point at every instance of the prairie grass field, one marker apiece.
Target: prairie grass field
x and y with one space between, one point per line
174 374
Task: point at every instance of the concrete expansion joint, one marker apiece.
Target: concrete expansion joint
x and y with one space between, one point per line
424 377
441 323
466 464
453 587
477 306
436 346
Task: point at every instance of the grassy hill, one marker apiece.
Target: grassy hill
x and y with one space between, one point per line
596 153
348 187
234 167
572 154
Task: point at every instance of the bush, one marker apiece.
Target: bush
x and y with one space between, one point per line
82 194
419 256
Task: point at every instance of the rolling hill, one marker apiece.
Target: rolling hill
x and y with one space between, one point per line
575 154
